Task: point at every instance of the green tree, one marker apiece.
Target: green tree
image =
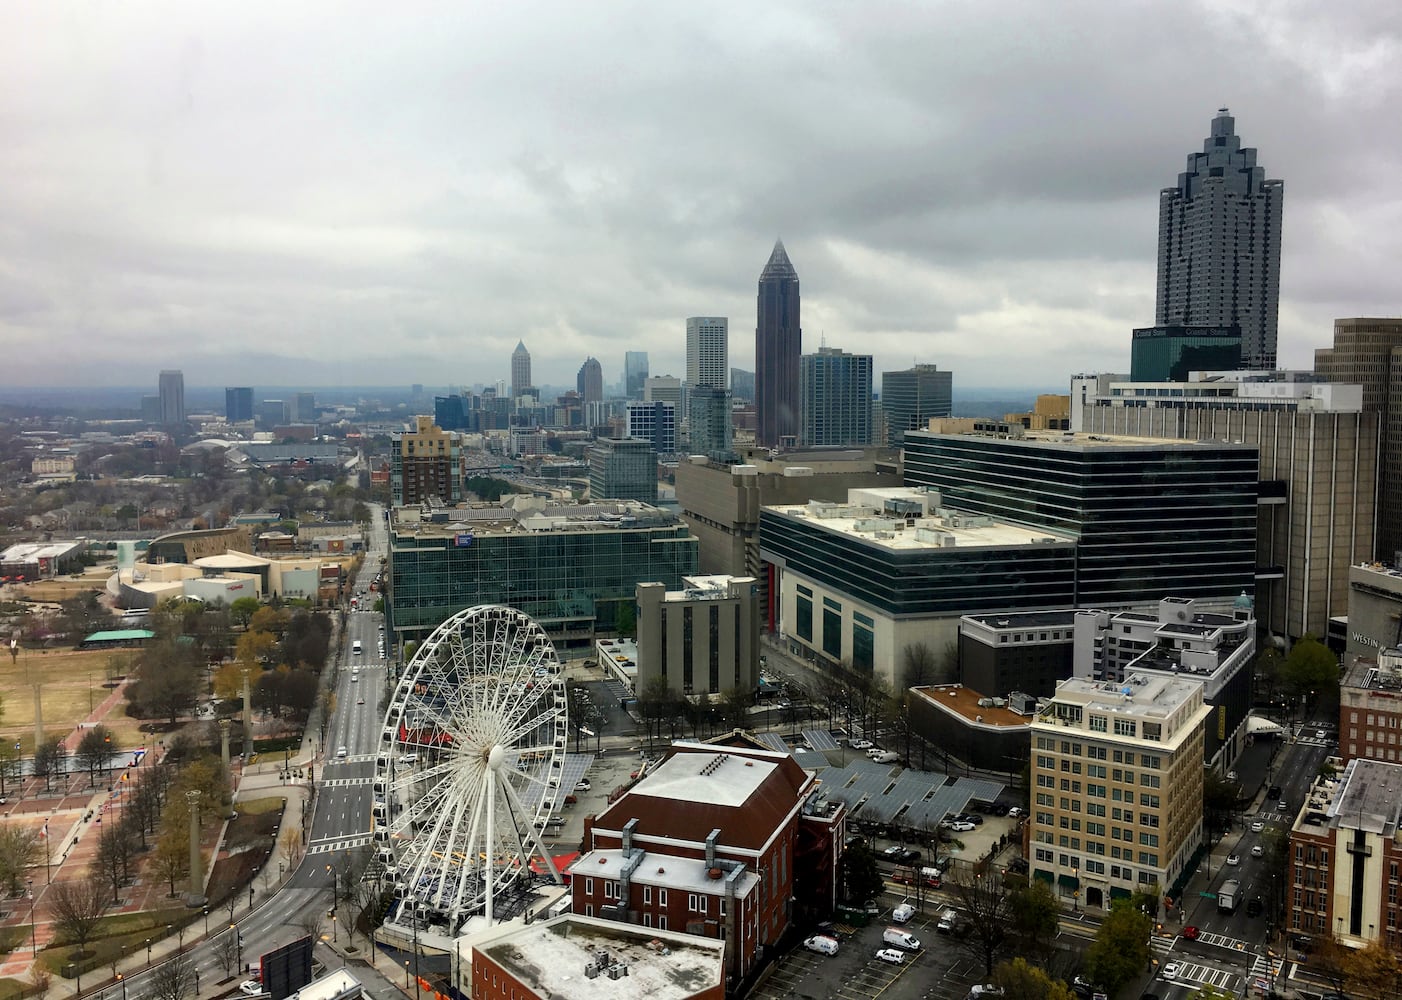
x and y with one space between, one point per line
1120 950
1034 911
1373 971
861 880
1311 670
243 610
168 679
1027 982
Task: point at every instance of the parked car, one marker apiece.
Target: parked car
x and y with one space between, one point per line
822 944
893 955
250 989
1017 811
903 913
1234 859
862 744
900 938
963 826
583 785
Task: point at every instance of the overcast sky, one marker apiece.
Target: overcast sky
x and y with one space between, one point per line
339 193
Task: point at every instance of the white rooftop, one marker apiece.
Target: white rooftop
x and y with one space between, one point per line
34 551
663 870
550 957
713 778
865 515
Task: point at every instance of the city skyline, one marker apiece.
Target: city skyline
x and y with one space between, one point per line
956 197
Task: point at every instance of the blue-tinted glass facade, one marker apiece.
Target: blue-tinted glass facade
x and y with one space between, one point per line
1153 520
566 580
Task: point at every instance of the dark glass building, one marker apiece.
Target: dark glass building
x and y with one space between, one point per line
1169 353
449 413
1153 518
778 345
910 398
238 404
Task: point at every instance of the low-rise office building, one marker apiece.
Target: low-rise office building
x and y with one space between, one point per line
1027 651
701 639
856 583
1370 708
623 469
1345 867
570 566
982 731
1117 775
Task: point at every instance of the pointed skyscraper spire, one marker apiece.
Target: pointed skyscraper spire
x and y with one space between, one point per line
779 265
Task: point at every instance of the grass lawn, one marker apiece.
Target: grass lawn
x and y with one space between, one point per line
71 681
116 936
13 989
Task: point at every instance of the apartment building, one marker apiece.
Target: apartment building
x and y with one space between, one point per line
1370 708
1116 776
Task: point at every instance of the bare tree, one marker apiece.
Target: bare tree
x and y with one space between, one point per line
173 980
918 665
113 856
95 751
41 979
311 921
984 902
77 909
226 951
19 848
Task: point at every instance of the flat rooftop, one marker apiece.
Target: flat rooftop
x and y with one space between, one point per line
665 871
550 959
519 515
958 699
945 529
1145 696
1381 674
1080 441
1027 619
1367 796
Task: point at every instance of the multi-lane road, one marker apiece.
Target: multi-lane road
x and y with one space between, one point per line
341 816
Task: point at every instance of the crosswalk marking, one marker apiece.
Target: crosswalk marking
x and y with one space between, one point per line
345 782
344 844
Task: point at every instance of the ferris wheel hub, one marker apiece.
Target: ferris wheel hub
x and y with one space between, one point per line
496 757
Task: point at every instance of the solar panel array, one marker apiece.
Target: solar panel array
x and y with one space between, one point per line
570 772
820 739
981 789
774 742
811 761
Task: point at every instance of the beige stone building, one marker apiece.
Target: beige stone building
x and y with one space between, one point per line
1117 786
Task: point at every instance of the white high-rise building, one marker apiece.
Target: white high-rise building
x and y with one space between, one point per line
707 351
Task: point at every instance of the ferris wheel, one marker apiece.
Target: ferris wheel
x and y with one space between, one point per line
469 766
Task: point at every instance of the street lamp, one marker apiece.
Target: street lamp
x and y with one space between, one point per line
206 921
122 979
148 951
33 905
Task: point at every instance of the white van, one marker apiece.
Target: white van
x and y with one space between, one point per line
901 939
903 913
356 647
822 944
885 757
949 922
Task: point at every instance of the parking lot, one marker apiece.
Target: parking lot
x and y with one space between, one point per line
941 970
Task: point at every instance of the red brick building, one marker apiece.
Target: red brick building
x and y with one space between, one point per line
1370 709
717 842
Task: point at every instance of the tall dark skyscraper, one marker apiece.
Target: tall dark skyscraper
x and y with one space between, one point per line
238 404
590 381
634 373
778 346
520 370
1219 245
172 391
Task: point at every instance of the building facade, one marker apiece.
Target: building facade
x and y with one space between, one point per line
568 566
1169 353
589 383
425 464
707 351
1116 776
1027 651
856 583
1345 857
835 399
634 373
1368 352
520 370
721 501
778 346
1219 245
1370 707
1374 611
238 404
1318 474
1150 518
910 398
722 842
709 429
171 387
623 469
701 638
655 422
